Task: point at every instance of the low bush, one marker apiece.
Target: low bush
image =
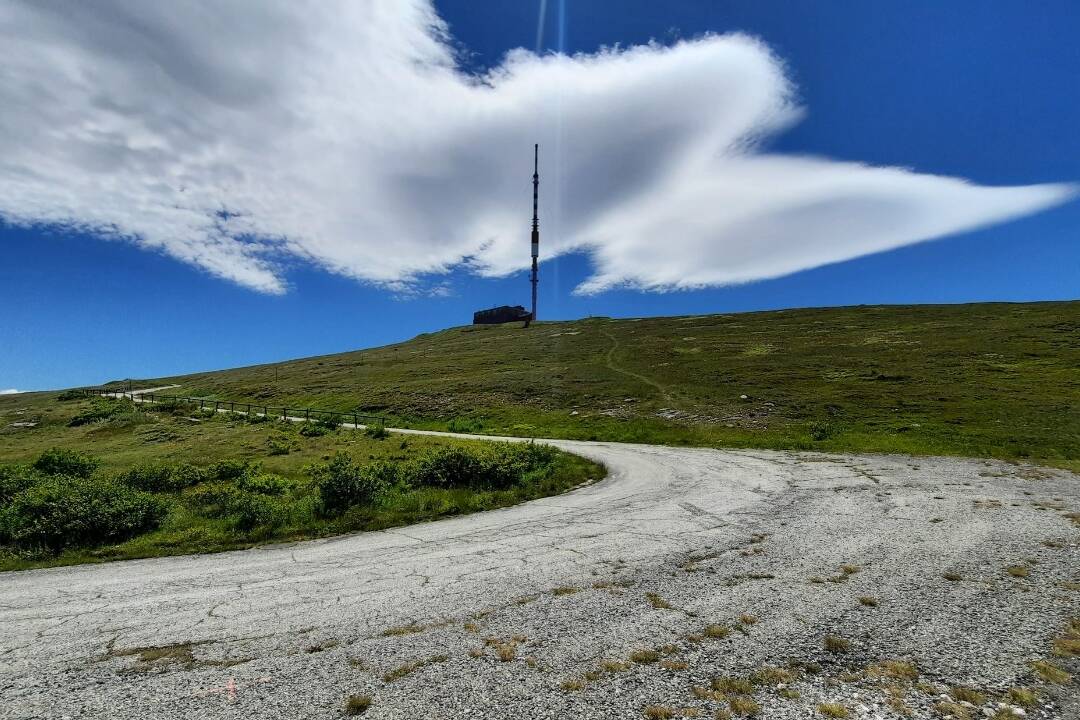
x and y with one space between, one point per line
212 499
69 395
102 410
264 484
343 482
58 461
229 469
65 511
162 478
251 510
494 466
376 432
14 479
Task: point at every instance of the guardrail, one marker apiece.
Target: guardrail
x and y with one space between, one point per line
271 411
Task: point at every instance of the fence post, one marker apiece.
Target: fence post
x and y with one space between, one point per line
284 413
355 421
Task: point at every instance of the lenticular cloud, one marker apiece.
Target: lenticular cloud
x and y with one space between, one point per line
243 137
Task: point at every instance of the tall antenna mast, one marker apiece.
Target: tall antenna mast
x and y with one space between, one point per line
535 224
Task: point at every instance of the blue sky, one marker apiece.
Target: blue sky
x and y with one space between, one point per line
964 89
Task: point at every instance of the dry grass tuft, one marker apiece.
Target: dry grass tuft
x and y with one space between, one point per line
952 710
572 684
564 590
658 602
789 693
717 632
868 601
772 676
743 706
411 667
1022 696
835 644
644 656
1018 571
614 666
357 704
659 712
1068 645
470 627
706 694
952 577
894 669
476 653
748 619
409 629
817 580
1050 672
966 694
674 664
732 685
850 569
833 710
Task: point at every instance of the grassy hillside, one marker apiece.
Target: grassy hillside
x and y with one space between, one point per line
997 380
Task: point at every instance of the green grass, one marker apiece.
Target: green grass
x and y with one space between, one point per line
134 437
983 380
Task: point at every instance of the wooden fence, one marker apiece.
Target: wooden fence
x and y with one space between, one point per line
271 411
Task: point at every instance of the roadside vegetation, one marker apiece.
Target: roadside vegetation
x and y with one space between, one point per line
87 480
981 380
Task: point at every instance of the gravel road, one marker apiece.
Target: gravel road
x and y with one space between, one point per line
536 611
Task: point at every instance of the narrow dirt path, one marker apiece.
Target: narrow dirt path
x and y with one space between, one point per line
610 363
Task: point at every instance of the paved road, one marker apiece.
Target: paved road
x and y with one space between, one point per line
559 584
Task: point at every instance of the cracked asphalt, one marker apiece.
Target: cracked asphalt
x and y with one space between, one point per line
535 611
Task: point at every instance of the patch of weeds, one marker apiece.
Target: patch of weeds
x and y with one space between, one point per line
894 669
1022 696
743 706
668 649
1056 544
817 580
505 650
357 704
966 694
748 619
658 712
411 667
572 684
772 676
470 627
658 602
849 569
1050 672
717 632
644 656
1018 571
702 693
732 685
1068 585
614 666
565 590
409 629
833 710
835 644
789 693
868 601
952 576
1068 645
674 664
953 710
476 652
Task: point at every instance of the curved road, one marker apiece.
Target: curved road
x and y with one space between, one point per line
673 539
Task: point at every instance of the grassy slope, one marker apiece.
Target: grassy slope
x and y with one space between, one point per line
161 438
998 380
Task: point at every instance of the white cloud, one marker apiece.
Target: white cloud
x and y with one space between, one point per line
240 137
10 391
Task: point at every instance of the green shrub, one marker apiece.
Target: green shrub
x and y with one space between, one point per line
264 484
212 499
253 419
102 409
162 478
58 461
229 469
342 482
251 510
72 394
376 432
315 429
14 479
278 446
66 511
822 430
494 466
